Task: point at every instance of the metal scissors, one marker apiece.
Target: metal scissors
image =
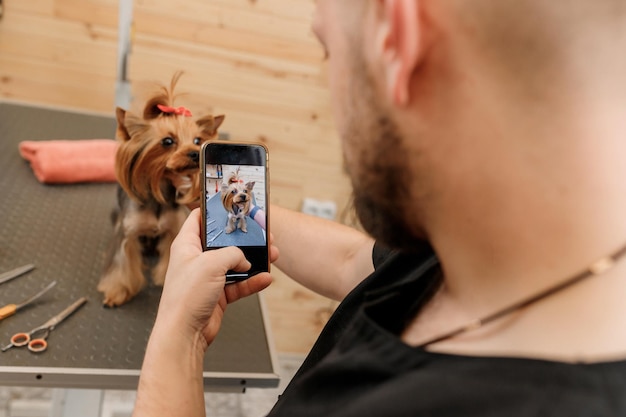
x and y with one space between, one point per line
214 237
14 273
39 344
10 309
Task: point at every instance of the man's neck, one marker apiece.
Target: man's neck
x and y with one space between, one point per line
504 237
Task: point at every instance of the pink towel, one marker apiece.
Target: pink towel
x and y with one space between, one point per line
71 161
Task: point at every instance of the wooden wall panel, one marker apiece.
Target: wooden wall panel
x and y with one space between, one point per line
48 59
256 61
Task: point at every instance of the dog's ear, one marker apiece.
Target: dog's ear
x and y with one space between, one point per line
122 132
250 185
128 124
209 124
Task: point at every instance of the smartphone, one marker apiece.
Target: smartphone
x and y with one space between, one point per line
235 203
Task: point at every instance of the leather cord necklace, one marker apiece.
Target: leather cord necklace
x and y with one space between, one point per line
599 267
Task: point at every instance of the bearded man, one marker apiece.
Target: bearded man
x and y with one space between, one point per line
485 141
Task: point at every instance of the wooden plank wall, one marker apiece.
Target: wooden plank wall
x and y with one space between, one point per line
48 58
256 61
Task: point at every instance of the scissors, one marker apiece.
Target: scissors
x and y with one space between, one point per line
214 237
10 309
39 345
14 273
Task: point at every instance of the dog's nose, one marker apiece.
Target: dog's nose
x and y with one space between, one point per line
194 155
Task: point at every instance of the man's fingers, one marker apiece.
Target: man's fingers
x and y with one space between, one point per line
274 254
248 287
228 258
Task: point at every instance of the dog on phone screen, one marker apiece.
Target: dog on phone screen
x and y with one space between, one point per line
157 167
237 200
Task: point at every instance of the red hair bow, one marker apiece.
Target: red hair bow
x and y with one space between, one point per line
179 111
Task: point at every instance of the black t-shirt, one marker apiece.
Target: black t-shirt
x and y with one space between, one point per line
359 366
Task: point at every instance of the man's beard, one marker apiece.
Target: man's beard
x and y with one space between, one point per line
380 172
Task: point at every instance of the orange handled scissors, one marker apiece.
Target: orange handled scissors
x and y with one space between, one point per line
37 345
10 309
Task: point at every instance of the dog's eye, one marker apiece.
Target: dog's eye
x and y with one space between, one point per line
197 141
167 142
233 192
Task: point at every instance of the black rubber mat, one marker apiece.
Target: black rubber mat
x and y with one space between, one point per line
64 230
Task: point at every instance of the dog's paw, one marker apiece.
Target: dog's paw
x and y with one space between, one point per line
116 298
114 295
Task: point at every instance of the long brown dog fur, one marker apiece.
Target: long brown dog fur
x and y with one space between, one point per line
157 167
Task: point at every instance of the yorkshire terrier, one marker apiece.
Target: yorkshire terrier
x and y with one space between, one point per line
237 200
157 167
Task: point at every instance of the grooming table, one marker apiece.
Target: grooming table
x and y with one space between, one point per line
65 231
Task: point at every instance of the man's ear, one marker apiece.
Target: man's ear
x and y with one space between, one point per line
400 44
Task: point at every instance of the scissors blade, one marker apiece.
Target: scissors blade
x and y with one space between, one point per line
36 296
63 314
8 276
214 237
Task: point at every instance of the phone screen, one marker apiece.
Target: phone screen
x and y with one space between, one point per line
235 203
